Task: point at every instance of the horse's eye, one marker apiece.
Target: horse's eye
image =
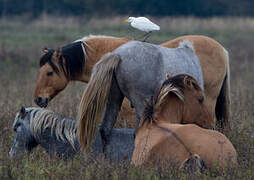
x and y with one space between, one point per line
50 73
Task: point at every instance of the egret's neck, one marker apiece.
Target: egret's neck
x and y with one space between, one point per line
95 49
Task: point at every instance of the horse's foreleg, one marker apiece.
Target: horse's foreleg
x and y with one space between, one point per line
137 121
113 107
139 111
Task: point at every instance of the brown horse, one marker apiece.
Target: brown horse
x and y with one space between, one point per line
78 59
214 60
212 56
160 139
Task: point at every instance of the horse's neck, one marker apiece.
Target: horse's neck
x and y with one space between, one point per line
53 145
96 48
170 112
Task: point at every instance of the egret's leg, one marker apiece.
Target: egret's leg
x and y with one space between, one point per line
144 37
147 35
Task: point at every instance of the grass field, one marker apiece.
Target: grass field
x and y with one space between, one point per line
21 44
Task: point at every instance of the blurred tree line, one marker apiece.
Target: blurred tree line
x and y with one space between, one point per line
200 8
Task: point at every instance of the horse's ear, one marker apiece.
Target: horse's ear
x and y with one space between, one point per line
45 50
58 52
22 112
168 76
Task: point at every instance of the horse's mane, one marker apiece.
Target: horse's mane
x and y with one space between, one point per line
41 119
47 58
90 36
175 84
74 55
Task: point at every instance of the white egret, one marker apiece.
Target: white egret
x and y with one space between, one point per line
143 24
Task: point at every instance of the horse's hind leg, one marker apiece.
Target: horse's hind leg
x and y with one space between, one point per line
113 107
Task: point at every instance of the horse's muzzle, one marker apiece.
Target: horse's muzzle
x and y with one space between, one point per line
42 102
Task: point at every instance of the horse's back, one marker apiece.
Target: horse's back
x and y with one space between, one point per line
212 146
182 60
145 59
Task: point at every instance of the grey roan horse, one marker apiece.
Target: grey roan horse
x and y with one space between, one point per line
57 135
135 70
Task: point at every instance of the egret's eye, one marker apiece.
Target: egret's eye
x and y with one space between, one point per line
50 73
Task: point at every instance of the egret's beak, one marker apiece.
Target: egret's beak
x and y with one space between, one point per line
126 20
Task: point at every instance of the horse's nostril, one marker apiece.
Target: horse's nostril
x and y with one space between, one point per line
38 100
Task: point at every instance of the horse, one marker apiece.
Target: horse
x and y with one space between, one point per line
214 60
212 56
74 62
36 126
161 139
57 135
134 70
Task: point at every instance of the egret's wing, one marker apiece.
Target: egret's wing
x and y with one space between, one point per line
144 24
149 24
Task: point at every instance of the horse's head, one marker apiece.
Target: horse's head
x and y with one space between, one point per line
185 92
52 78
195 109
23 140
57 68
180 100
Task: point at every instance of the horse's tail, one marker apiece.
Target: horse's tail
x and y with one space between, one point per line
94 99
222 108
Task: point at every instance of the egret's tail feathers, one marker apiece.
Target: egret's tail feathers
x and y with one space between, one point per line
157 28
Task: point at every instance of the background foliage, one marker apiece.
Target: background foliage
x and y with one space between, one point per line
200 8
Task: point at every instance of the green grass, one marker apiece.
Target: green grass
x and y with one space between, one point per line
21 43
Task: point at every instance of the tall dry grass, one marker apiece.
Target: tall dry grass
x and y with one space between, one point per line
21 42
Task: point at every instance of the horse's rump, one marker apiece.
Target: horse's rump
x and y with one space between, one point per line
143 68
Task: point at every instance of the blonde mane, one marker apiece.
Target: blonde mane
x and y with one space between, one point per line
154 104
64 129
165 90
90 36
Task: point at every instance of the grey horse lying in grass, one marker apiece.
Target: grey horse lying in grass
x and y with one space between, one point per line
57 135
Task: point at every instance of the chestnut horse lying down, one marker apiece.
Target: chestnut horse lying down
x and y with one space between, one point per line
57 135
160 139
